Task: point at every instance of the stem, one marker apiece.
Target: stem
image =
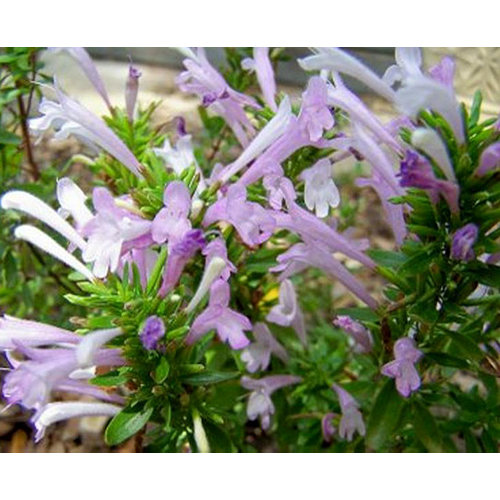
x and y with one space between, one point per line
35 172
217 144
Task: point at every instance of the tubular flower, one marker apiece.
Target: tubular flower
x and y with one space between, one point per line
229 324
351 420
463 242
71 118
263 68
260 404
403 367
362 337
257 355
287 312
131 90
202 79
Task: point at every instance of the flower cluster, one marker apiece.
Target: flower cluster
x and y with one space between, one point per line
203 267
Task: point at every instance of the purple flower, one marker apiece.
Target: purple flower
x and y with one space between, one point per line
83 58
416 172
171 222
403 367
463 243
260 404
490 159
258 354
327 428
262 66
202 79
217 248
229 324
287 312
315 254
361 335
180 253
151 332
307 129
14 331
341 97
131 89
180 124
351 420
112 229
444 71
254 223
71 118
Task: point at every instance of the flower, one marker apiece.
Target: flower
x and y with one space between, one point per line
70 117
334 59
320 192
272 131
351 420
151 332
260 404
202 79
229 324
361 335
72 201
490 159
171 222
83 58
217 248
327 428
262 66
111 230
408 62
55 412
431 144
258 354
131 89
417 172
253 222
444 71
315 254
287 312
463 242
403 367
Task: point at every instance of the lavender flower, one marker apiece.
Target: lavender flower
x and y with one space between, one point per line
362 337
253 222
202 79
112 229
315 254
229 324
83 58
151 332
70 117
403 367
490 159
408 63
257 355
261 64
417 172
444 72
320 192
327 428
72 201
351 420
260 404
171 222
287 312
131 90
55 412
217 248
463 243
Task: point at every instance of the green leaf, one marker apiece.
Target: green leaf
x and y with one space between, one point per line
486 275
385 416
110 379
426 429
7 137
209 377
387 258
444 359
125 424
358 313
162 371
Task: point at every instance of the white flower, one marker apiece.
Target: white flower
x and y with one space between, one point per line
320 192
